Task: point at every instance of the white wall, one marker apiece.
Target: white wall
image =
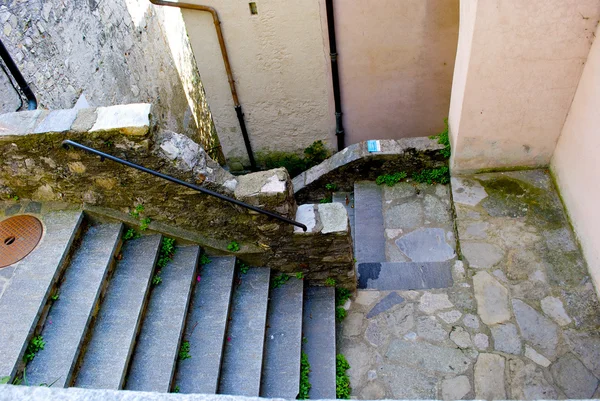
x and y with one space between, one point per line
516 73
576 161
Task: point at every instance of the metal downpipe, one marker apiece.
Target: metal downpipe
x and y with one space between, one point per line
335 77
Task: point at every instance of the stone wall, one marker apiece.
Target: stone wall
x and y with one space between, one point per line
36 166
112 52
356 163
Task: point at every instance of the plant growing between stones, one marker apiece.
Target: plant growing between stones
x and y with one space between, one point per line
439 175
331 187
443 139
166 253
391 179
280 280
341 296
156 280
340 314
136 211
304 382
243 267
55 296
204 259
327 199
176 389
233 246
36 344
330 282
131 234
342 381
300 276
294 164
145 223
184 351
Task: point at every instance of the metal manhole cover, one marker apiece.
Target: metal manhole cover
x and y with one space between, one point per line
19 235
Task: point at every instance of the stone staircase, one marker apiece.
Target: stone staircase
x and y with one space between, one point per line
204 329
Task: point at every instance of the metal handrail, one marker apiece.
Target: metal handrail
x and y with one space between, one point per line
103 156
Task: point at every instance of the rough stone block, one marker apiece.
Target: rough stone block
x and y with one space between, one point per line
20 123
334 218
128 119
306 214
57 121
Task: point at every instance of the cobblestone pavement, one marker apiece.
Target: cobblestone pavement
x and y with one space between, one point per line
520 322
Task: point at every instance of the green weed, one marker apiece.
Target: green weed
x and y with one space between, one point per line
204 259
443 139
439 175
342 381
176 389
280 280
313 155
304 373
340 313
36 344
233 246
145 223
166 253
136 211
156 280
331 187
341 296
184 351
390 179
300 276
131 234
330 282
327 199
55 296
243 267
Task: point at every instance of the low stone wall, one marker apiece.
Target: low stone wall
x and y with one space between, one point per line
35 166
357 163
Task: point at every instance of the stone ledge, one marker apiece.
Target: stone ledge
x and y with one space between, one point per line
327 218
128 119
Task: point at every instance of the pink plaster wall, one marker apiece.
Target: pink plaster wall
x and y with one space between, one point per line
396 59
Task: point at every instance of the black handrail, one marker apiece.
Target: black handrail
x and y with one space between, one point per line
103 156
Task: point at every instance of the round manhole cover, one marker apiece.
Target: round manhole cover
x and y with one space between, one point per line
19 235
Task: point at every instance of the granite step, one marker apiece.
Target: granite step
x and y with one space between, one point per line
153 363
104 364
206 324
70 315
389 276
243 355
283 341
369 239
23 301
318 325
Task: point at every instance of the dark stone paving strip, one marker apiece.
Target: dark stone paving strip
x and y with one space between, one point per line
369 239
404 275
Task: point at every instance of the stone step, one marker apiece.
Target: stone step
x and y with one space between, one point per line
347 199
318 326
155 356
389 276
70 315
283 341
369 239
243 355
23 301
206 324
104 364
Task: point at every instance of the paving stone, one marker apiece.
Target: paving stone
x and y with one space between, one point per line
492 299
429 329
481 255
33 207
373 391
540 331
461 337
408 383
587 347
319 330
528 382
386 303
467 192
376 333
536 357
429 302
366 297
436 211
206 325
426 245
406 216
458 271
471 321
554 308
404 275
475 231
108 353
506 338
399 191
361 358
400 320
353 324
489 377
243 354
369 239
70 315
12 209
429 357
455 388
153 363
36 273
481 341
573 377
283 341
450 317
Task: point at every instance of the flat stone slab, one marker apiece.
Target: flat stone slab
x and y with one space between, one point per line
506 338
113 338
540 331
481 255
23 300
492 299
283 341
467 192
426 245
153 363
205 327
404 275
128 119
428 357
489 377
368 215
243 355
319 330
69 317
391 300
573 377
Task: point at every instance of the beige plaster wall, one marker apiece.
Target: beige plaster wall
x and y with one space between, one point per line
576 161
517 71
279 65
396 59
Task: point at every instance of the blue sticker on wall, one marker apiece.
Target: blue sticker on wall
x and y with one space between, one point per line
373 146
